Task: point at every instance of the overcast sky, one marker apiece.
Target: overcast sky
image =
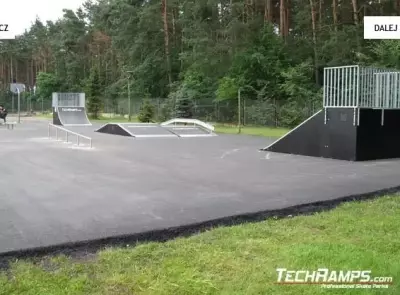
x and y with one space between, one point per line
21 13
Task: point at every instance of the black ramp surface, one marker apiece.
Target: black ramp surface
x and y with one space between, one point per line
72 116
56 119
336 139
115 129
377 141
126 186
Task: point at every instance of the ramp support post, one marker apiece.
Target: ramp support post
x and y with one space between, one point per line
382 117
325 116
77 140
56 133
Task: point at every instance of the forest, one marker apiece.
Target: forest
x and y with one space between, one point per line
196 54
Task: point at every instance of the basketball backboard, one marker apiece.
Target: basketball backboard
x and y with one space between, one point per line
14 87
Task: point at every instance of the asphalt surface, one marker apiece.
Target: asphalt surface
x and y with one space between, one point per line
54 193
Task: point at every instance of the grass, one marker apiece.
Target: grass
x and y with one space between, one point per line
231 260
252 130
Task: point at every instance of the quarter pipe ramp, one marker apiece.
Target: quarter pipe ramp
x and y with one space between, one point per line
70 116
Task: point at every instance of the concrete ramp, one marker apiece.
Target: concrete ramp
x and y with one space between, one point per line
136 130
70 116
187 131
147 130
173 128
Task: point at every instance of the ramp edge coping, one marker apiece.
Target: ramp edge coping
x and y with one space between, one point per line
205 125
298 126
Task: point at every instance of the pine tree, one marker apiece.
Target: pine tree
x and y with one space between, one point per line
184 108
146 114
94 94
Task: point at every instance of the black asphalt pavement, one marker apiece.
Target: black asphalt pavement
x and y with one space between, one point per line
53 192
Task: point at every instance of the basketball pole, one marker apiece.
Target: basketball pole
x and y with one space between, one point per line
19 104
129 96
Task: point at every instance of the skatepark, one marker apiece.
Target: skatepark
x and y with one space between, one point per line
153 179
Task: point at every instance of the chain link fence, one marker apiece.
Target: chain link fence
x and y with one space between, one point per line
26 105
253 112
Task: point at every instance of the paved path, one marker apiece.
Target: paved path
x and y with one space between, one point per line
53 193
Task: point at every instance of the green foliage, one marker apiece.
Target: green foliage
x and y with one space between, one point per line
46 84
214 49
227 89
386 54
167 110
184 107
94 95
146 113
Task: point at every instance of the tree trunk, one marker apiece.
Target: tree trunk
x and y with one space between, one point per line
11 71
268 11
166 39
397 6
357 23
32 73
282 17
314 38
335 14
321 3
287 14
355 12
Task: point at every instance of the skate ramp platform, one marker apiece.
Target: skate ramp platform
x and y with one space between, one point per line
173 128
335 134
70 116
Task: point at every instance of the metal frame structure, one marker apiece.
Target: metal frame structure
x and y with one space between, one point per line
68 100
360 87
60 99
67 132
17 88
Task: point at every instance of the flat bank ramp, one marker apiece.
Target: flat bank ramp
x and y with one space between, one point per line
171 128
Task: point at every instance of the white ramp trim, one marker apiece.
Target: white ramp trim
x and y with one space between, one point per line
197 135
123 128
155 135
298 126
207 126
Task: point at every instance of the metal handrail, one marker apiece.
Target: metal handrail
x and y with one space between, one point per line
68 132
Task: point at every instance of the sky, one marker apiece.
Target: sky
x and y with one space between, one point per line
21 13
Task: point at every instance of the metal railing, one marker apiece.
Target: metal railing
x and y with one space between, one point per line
67 134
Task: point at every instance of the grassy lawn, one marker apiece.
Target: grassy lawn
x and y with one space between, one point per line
259 131
232 260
